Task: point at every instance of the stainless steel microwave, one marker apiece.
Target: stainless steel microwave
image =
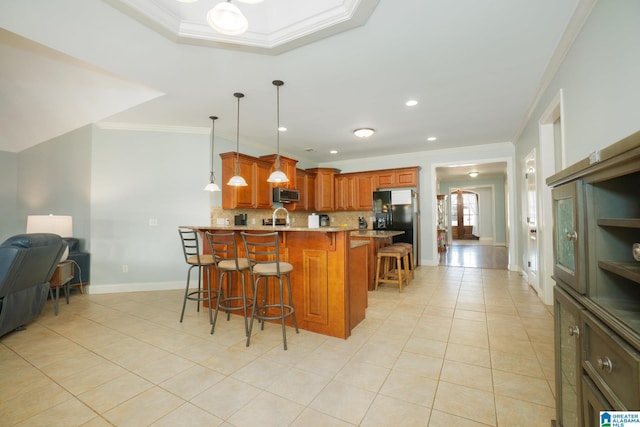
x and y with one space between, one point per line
285 195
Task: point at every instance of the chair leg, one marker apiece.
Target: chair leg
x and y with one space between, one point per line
295 321
284 331
244 302
253 310
377 272
186 293
209 290
218 298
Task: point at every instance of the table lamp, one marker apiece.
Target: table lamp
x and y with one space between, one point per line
62 225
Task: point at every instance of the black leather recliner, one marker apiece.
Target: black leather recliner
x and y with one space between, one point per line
27 263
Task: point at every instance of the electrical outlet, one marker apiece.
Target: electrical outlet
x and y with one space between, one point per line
219 221
153 222
125 268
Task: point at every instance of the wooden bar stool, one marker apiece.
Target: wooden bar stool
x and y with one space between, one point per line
409 247
386 256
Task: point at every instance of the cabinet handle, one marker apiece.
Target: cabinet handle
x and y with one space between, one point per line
605 364
572 235
574 331
636 251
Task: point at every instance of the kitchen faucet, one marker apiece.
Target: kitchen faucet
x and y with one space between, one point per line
275 211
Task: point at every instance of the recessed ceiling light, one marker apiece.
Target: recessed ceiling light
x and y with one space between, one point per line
363 132
411 103
431 138
333 152
282 128
473 174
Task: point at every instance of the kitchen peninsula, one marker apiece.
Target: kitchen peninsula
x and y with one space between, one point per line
330 279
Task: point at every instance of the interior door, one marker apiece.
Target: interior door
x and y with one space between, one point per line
532 221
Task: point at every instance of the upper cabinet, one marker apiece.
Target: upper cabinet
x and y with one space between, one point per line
324 187
306 186
257 193
287 165
354 191
394 178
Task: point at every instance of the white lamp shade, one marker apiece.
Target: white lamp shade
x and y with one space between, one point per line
227 19
62 225
212 186
277 176
237 181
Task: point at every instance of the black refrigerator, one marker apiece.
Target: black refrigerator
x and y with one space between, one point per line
397 210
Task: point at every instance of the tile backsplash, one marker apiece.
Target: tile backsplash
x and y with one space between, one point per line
255 216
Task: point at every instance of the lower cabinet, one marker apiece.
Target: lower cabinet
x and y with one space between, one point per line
568 359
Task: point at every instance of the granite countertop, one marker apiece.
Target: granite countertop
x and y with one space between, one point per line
266 228
376 234
358 243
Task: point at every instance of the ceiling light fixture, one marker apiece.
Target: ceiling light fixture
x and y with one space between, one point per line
473 174
212 186
237 180
277 175
411 103
363 132
431 138
333 152
227 19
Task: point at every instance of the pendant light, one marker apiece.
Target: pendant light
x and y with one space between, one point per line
212 186
237 180
277 176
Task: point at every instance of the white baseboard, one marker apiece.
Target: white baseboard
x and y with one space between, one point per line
135 287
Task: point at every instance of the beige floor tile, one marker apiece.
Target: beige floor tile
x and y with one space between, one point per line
269 409
410 388
443 419
424 366
387 411
343 401
191 382
518 413
521 387
144 408
438 347
226 397
312 418
473 404
71 412
468 375
188 415
114 392
298 385
363 375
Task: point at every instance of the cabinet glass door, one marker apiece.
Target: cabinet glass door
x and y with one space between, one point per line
567 238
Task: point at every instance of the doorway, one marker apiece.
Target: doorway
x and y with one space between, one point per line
464 215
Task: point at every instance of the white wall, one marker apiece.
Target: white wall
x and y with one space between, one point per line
9 224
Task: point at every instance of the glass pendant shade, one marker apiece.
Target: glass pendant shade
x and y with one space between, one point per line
227 19
237 180
212 186
277 176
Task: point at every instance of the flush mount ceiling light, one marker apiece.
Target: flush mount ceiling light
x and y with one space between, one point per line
237 180
363 132
473 174
333 152
411 103
227 19
212 186
277 175
432 138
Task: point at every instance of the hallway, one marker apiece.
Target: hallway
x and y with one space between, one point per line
474 254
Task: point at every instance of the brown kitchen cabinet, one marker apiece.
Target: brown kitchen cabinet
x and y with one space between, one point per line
325 188
287 165
396 178
306 186
257 193
365 185
345 192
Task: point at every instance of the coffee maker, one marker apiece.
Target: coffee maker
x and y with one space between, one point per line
362 223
